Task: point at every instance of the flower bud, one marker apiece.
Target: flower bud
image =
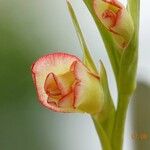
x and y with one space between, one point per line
64 84
114 16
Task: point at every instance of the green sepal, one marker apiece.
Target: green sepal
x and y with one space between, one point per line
107 115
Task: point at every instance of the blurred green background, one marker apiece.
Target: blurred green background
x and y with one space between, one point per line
28 30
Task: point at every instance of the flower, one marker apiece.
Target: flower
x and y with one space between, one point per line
114 16
64 84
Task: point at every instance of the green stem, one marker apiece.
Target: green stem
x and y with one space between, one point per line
118 131
105 143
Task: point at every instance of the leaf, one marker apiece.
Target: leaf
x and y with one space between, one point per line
88 61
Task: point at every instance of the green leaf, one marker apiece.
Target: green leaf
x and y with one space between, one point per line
112 49
88 61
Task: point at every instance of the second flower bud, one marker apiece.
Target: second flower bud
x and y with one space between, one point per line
115 17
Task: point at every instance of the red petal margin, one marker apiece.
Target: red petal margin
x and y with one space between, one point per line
73 69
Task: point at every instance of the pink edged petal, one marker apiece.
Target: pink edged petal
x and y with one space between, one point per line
50 62
57 63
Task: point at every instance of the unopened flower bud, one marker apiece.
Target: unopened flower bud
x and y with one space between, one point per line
115 17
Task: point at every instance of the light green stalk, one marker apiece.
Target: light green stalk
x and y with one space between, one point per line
127 78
